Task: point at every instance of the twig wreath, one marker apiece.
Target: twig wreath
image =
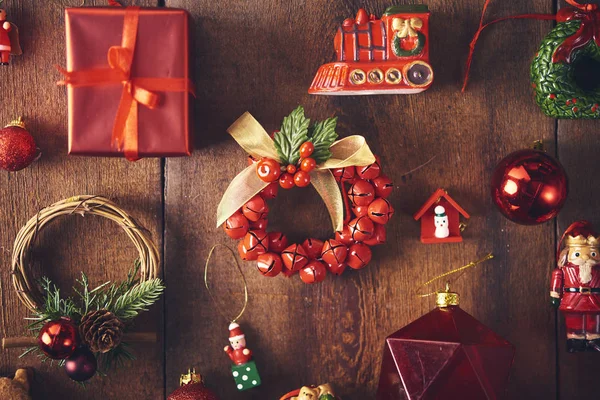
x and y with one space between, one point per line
300 154
93 327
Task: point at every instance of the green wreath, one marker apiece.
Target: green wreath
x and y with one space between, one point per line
557 91
400 52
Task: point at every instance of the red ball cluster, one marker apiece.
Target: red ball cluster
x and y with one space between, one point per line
289 176
313 258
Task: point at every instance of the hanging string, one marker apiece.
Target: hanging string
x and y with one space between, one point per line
212 297
445 274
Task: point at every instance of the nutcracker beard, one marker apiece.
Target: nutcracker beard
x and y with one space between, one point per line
585 269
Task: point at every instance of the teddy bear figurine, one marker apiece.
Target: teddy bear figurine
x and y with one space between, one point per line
16 388
321 392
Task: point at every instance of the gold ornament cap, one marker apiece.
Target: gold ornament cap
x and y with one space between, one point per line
446 298
191 377
17 122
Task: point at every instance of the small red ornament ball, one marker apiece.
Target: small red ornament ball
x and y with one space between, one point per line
294 257
529 187
361 229
255 208
193 391
380 211
58 339
361 193
277 242
268 170
269 264
236 226
383 186
286 180
344 174
17 147
314 272
334 252
302 178
82 365
359 256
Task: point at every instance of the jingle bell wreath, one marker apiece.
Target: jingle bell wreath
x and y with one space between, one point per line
89 331
344 173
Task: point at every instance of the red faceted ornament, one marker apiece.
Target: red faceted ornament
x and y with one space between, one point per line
370 171
344 174
313 272
334 252
236 226
81 365
294 257
17 147
277 242
359 256
361 193
58 339
529 187
361 229
383 186
260 225
255 208
380 211
269 264
270 192
336 269
268 170
344 236
379 236
445 354
313 248
256 241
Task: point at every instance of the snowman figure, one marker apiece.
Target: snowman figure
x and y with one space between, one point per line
441 223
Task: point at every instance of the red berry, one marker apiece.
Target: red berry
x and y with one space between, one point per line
380 211
379 236
302 179
370 171
552 96
270 192
17 148
255 209
269 264
313 248
313 272
291 169
294 257
286 181
334 252
568 102
345 236
344 174
306 149
361 193
360 211
575 109
336 269
268 170
308 164
574 101
359 256
383 186
256 242
361 228
260 225
277 242
236 226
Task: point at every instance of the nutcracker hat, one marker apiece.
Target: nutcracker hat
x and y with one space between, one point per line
235 332
581 233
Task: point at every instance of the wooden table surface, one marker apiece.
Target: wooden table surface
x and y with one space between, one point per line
260 56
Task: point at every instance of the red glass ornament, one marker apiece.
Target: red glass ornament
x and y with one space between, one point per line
370 171
269 264
286 181
306 149
380 211
58 339
294 257
313 272
379 236
17 147
268 170
383 186
236 226
360 211
345 236
359 256
361 193
260 225
256 241
308 164
277 242
445 354
361 229
334 252
192 388
302 179
529 187
270 192
344 174
313 248
336 269
81 365
255 208
291 169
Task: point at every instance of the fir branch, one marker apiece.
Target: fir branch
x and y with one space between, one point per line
293 132
322 135
137 298
115 358
30 350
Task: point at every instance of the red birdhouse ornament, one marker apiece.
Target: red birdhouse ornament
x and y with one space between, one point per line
445 354
440 219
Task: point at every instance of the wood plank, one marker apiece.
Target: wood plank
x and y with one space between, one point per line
71 244
260 56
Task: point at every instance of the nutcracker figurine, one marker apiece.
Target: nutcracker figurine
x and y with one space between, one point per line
9 39
576 286
244 369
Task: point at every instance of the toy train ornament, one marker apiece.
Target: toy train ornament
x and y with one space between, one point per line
379 56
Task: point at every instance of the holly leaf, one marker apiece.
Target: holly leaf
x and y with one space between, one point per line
322 135
294 132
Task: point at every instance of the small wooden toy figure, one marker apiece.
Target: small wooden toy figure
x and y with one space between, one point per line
575 286
321 392
9 39
244 369
440 219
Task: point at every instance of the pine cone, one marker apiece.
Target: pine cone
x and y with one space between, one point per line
101 330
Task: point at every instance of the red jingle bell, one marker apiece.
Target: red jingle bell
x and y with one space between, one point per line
260 225
380 211
236 226
58 339
334 252
361 193
313 248
244 254
379 236
344 236
277 242
359 256
313 272
383 186
269 264
268 170
336 269
256 241
344 174
255 208
370 171
360 211
270 192
294 257
361 229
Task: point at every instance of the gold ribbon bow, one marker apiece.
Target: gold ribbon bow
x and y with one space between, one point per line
407 27
251 136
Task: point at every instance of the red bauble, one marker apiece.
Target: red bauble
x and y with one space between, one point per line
82 365
294 257
337 269
343 174
344 236
269 264
359 256
380 211
302 179
379 236
58 339
193 391
260 225
255 208
361 229
529 187
268 170
17 147
361 193
370 171
286 181
313 272
270 192
313 248
334 252
383 186
256 241
277 242
236 226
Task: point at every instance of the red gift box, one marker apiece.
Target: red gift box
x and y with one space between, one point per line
128 82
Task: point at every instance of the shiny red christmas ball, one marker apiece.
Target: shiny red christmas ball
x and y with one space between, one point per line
313 248
193 391
270 192
306 149
268 170
308 164
277 242
383 186
361 229
336 269
302 179
286 180
17 147
529 187
379 236
359 256
269 264
334 252
294 257
236 226
260 225
370 171
314 272
344 236
344 174
380 211
58 339
361 193
256 242
81 365
255 208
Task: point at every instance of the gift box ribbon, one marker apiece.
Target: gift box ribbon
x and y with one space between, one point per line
135 90
251 136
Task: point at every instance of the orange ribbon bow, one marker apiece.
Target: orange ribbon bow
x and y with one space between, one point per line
135 90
